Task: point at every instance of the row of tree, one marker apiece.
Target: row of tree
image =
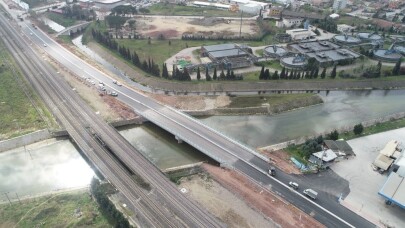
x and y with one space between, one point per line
230 75
294 74
107 207
146 65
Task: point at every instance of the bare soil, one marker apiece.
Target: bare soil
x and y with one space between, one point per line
284 214
181 25
192 102
222 203
281 160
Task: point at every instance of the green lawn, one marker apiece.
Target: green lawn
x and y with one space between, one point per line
353 21
53 211
18 115
259 100
60 19
178 10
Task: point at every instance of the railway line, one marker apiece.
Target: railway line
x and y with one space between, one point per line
76 117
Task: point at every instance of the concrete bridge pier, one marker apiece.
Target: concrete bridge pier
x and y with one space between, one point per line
179 140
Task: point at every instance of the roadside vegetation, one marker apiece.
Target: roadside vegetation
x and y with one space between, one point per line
21 109
64 210
62 20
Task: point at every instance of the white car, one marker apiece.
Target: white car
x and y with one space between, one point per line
45 45
114 94
31 33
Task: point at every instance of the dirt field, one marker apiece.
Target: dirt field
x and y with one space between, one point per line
281 159
192 102
286 215
160 25
223 203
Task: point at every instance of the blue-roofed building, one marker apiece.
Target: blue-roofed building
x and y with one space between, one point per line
393 189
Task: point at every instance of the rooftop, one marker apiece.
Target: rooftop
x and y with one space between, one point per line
218 47
339 146
383 162
313 46
394 189
227 53
390 148
326 156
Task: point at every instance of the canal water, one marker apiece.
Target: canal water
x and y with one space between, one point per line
44 167
341 108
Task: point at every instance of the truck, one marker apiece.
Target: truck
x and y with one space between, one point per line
272 171
310 193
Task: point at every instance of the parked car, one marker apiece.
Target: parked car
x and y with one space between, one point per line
293 185
310 193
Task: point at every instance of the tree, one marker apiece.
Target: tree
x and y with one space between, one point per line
222 75
358 129
215 74
397 67
266 74
261 75
282 74
228 74
323 74
316 73
275 75
334 135
198 74
333 73
207 74
378 70
165 73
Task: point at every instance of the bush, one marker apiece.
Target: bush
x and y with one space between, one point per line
334 135
358 129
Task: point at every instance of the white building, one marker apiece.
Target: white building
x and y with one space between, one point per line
292 22
301 34
108 4
339 4
250 8
343 28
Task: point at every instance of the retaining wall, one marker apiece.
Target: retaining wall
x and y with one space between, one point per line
24 140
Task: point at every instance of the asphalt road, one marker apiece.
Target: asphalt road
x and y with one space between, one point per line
212 143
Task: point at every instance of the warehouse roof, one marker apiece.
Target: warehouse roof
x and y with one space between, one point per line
390 148
383 162
326 156
339 146
227 53
305 47
218 47
394 189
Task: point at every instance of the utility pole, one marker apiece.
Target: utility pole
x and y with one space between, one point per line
7 197
18 198
240 27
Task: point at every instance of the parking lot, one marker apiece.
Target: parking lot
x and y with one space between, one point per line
365 183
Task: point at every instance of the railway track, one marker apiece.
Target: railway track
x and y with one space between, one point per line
76 116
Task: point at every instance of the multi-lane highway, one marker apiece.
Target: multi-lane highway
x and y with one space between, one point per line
160 205
223 149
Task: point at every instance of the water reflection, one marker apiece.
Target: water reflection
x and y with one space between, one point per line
339 110
42 168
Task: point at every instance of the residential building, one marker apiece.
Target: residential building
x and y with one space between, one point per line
301 34
339 4
292 22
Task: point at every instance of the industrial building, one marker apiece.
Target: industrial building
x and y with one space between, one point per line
387 55
301 34
108 4
393 189
275 51
298 62
323 159
346 40
339 147
387 156
229 56
325 52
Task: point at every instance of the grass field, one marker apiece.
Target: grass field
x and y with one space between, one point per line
17 112
178 10
259 100
53 211
60 19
